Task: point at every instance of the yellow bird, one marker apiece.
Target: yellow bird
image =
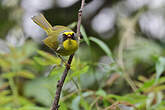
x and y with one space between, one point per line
60 38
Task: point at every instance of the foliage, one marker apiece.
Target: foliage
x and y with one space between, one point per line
32 74
121 72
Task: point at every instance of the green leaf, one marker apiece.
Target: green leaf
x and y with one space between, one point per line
49 58
26 74
42 61
55 71
129 98
8 75
63 106
28 49
84 104
4 64
32 108
82 30
72 25
103 46
4 92
42 89
22 73
79 72
76 101
101 93
146 85
160 67
149 84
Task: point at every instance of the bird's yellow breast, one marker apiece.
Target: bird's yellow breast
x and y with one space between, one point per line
70 45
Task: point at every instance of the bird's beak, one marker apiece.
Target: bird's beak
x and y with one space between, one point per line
69 36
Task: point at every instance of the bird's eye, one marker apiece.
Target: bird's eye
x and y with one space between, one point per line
64 37
73 37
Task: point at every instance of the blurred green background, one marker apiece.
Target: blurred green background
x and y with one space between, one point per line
119 65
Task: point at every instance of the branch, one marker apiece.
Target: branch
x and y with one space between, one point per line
80 17
60 83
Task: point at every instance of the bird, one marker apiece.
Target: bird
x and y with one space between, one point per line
60 38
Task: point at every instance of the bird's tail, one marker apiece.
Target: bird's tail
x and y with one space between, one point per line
42 22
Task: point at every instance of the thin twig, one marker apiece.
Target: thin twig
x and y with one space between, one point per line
80 17
127 33
121 63
60 83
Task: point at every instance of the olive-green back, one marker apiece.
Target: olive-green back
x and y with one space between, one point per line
52 40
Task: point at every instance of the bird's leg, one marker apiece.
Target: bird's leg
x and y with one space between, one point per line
63 60
50 70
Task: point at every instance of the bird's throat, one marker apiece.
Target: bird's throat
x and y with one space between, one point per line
70 45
